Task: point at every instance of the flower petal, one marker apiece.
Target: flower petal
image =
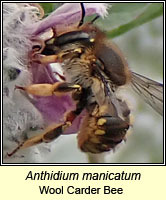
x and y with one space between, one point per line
42 74
52 108
76 124
67 14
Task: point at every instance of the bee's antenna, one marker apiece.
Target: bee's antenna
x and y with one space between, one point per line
93 20
83 14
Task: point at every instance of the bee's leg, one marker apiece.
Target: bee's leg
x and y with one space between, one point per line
48 135
45 59
100 133
58 89
55 130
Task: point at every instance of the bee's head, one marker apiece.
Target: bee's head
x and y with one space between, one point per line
82 36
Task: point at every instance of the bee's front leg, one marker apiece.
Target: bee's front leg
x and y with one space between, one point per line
58 89
36 57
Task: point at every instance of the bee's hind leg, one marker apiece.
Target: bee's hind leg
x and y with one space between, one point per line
49 134
54 130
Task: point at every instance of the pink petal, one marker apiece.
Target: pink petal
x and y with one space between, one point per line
67 14
52 108
75 127
42 74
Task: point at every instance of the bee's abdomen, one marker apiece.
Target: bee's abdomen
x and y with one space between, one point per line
102 132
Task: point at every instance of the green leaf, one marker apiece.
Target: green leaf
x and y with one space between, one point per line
49 7
121 13
153 11
126 7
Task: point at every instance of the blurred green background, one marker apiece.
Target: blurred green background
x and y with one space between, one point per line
142 44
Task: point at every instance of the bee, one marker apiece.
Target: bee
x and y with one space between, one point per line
94 69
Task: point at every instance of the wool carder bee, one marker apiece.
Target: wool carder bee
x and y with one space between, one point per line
94 69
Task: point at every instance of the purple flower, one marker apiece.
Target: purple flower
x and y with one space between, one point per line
68 14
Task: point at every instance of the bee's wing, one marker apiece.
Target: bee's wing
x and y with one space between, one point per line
109 95
150 91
